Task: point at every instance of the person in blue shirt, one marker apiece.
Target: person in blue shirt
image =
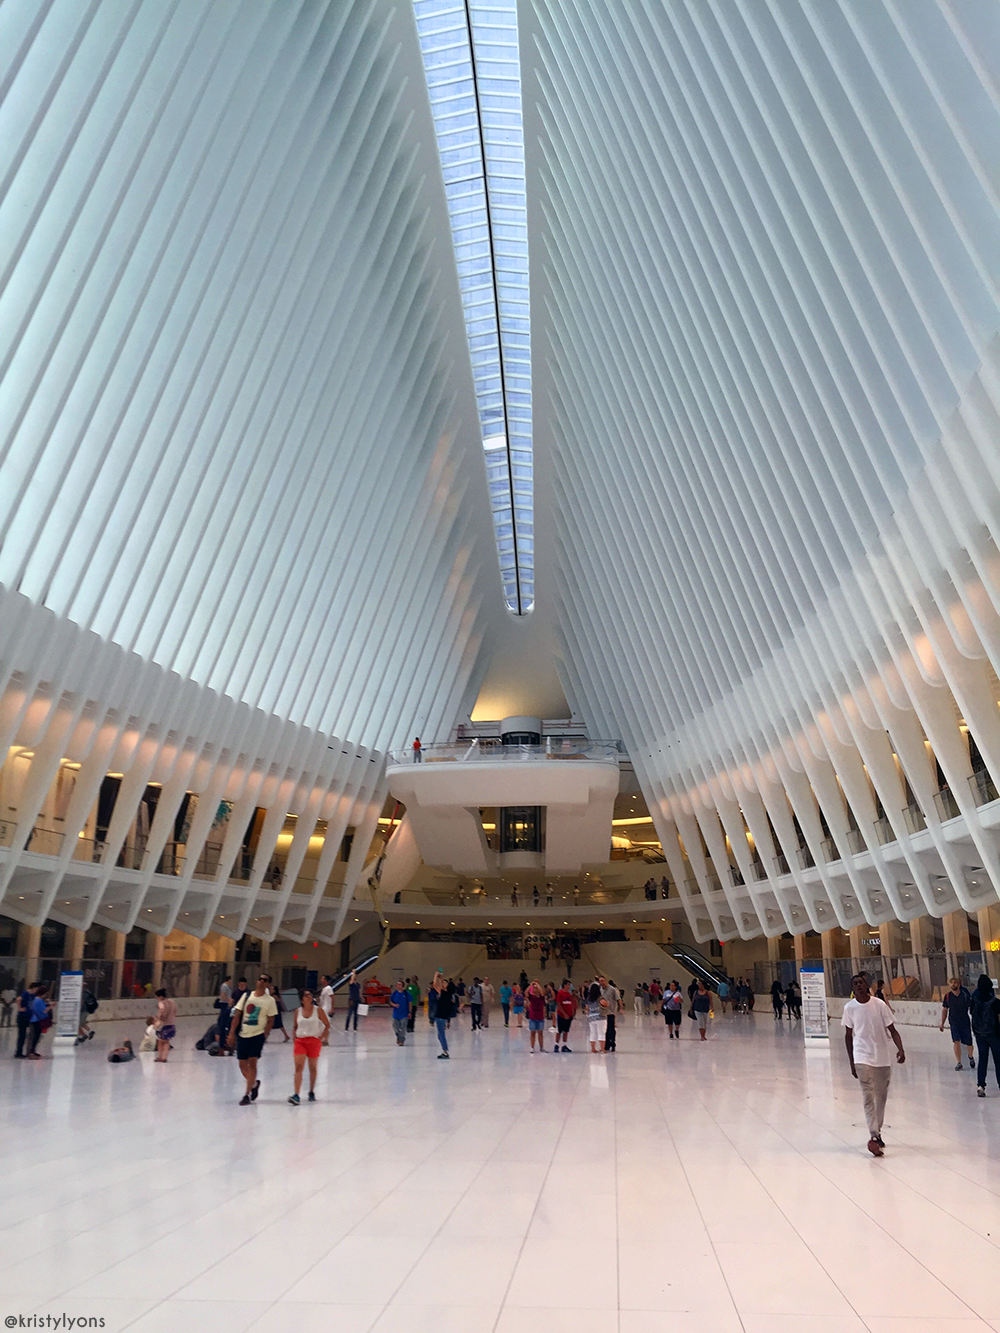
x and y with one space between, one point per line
40 1013
353 1000
955 1007
25 1002
400 1002
505 993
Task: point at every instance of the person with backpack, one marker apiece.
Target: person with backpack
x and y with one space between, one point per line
24 1002
955 1007
673 1010
88 1006
253 1017
985 1015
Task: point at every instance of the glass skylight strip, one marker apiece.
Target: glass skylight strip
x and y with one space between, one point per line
475 95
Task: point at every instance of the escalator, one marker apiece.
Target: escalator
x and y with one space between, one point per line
697 964
358 964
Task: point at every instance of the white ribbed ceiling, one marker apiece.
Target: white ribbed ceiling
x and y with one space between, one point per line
764 242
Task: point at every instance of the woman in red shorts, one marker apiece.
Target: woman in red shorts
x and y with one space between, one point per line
311 1027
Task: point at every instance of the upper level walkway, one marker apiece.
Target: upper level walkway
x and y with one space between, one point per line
444 788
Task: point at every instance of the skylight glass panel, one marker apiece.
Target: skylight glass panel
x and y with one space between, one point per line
472 65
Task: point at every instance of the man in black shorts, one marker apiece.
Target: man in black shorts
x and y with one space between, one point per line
254 1015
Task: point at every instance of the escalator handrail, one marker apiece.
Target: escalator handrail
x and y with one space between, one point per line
697 966
362 961
714 969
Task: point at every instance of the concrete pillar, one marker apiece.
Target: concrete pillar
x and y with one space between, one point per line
956 932
858 950
29 941
74 948
774 949
892 939
154 954
114 948
836 943
921 934
798 945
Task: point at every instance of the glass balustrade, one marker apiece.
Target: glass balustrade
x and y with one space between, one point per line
476 752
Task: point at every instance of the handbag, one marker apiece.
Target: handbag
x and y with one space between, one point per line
362 1010
691 1014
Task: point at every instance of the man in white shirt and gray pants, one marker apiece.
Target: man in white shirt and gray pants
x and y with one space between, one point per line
868 1026
326 1004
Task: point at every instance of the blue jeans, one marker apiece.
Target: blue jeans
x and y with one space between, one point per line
988 1046
506 1014
441 1025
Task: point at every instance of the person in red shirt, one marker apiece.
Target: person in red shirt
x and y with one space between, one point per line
417 750
565 1012
535 1004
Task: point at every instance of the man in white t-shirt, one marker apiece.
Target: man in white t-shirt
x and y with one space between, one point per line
253 1018
868 1027
326 1004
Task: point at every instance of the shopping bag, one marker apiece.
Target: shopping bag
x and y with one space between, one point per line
362 1010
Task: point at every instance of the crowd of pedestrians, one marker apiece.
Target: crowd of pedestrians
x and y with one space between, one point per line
248 1015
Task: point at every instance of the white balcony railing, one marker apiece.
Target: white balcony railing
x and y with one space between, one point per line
476 752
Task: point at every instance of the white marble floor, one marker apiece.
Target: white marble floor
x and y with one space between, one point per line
673 1186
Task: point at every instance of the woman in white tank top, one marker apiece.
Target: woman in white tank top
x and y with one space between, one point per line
311 1027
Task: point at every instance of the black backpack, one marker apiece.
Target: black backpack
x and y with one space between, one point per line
90 1001
984 1022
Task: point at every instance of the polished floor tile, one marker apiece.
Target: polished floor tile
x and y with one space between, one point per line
723 1188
